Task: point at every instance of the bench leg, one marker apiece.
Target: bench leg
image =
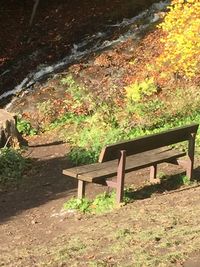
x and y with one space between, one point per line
120 177
81 188
190 161
153 174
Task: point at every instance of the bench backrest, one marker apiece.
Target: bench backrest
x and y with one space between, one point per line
149 142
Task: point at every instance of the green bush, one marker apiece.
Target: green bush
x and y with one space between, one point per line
89 140
24 127
104 202
135 92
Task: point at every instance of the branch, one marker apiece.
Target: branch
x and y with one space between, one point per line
34 11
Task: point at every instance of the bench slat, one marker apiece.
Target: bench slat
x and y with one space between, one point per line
148 142
97 171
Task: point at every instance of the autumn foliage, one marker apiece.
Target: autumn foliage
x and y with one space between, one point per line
181 26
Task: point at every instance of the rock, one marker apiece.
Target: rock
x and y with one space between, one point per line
9 135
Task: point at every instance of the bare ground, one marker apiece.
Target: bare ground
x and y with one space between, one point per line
159 228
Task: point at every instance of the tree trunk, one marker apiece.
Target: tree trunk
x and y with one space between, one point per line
9 135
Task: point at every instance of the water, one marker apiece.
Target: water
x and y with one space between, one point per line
113 34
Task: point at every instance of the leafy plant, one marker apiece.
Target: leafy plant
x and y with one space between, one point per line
80 155
25 127
12 165
182 40
185 180
102 203
89 140
66 119
82 205
78 99
136 91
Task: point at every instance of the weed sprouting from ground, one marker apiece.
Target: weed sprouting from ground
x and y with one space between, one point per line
24 127
185 180
102 203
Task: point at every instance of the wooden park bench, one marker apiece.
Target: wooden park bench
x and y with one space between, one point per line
123 157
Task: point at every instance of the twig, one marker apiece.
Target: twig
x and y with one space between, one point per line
7 141
34 11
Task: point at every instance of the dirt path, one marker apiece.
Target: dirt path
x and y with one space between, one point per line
35 232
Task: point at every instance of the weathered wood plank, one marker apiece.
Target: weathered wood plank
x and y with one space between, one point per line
149 142
98 171
73 172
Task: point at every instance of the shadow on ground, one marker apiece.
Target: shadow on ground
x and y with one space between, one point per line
45 182
42 184
168 183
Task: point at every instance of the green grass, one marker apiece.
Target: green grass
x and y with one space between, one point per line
101 204
88 142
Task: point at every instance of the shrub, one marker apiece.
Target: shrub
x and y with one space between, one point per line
25 127
182 38
89 140
103 203
78 99
136 91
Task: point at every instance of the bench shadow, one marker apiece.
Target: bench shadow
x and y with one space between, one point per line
48 144
168 183
43 183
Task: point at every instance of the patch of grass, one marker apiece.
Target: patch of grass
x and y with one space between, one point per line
90 139
83 205
123 233
185 180
161 233
65 119
73 247
92 120
101 204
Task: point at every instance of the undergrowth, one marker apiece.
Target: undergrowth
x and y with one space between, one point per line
88 142
24 127
102 203
140 112
181 25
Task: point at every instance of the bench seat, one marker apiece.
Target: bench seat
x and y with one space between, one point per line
97 172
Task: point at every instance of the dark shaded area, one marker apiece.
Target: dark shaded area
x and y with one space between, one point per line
46 183
57 25
168 184
48 144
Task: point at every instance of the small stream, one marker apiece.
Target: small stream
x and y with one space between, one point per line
110 36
